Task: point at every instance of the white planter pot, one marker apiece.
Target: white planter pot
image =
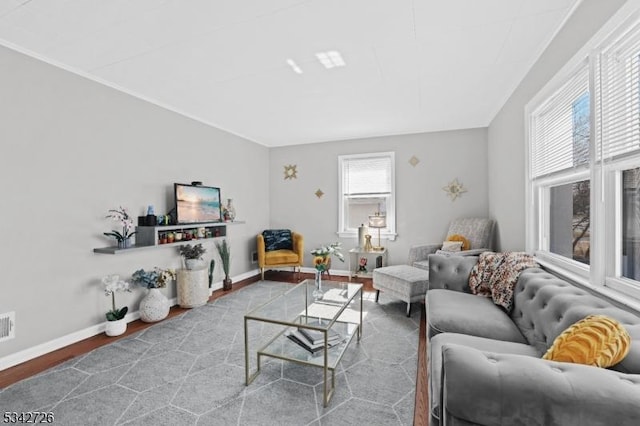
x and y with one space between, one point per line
154 306
193 287
194 264
116 328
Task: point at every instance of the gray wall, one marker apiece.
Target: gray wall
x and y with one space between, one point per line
71 149
423 209
506 131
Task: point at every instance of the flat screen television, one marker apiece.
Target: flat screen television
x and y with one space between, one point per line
197 203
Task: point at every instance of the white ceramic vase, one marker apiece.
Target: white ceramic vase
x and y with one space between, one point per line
154 306
116 328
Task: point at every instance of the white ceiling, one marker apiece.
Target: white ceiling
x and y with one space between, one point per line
411 65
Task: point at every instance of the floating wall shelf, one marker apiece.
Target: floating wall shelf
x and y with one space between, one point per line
149 237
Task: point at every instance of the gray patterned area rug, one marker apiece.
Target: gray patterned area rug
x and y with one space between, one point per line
189 370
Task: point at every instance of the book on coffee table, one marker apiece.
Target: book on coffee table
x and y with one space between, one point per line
298 337
317 337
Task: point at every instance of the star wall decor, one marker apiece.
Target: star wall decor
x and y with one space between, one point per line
454 189
319 193
290 172
414 161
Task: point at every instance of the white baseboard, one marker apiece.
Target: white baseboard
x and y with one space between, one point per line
246 275
44 348
75 337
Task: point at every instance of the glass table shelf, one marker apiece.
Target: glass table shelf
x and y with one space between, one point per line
338 311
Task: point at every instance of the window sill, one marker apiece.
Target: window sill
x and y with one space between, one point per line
623 292
616 290
390 236
569 269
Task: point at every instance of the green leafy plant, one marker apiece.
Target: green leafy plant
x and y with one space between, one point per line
212 266
192 252
112 284
225 255
116 314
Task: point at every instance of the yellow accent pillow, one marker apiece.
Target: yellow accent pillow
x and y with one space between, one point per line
596 340
466 245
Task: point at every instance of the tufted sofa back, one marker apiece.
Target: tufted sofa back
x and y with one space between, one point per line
451 272
545 305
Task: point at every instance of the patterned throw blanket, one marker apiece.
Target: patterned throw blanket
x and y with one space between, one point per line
495 275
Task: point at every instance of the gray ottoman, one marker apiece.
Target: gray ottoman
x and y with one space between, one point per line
404 282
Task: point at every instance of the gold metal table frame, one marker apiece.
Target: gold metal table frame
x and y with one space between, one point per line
296 308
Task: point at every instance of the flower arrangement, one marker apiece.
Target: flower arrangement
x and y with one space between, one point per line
121 215
324 253
192 252
112 284
157 278
362 264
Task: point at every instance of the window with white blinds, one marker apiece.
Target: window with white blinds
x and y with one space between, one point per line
584 211
618 101
560 128
366 187
367 175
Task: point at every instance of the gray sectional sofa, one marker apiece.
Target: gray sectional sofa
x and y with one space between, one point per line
485 365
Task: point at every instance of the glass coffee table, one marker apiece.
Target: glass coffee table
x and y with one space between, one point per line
296 311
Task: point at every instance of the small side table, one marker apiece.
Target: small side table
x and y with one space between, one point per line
193 287
374 259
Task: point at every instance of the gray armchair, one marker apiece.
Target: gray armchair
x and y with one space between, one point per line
479 232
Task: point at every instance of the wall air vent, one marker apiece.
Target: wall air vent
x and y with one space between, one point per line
7 326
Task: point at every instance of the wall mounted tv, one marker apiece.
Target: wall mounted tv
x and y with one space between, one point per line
197 203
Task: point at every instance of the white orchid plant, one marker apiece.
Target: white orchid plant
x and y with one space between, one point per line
113 284
324 253
121 215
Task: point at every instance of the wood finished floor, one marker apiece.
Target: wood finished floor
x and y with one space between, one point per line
44 362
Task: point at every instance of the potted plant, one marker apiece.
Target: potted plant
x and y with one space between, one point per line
192 255
212 265
123 238
116 324
155 305
225 256
321 261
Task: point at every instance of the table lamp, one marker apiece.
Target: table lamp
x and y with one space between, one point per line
377 221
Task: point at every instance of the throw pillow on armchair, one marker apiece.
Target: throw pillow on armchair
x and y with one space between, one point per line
277 239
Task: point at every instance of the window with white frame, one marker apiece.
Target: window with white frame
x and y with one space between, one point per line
584 165
367 187
618 153
559 170
630 221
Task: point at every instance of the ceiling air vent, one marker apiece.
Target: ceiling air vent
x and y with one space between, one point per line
7 326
